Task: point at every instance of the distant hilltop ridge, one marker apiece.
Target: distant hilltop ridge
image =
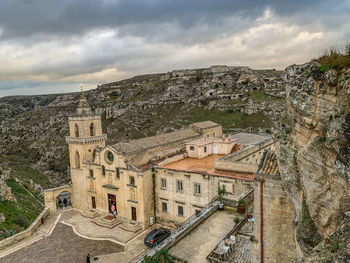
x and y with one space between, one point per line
239 98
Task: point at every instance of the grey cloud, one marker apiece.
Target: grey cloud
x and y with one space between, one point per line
22 18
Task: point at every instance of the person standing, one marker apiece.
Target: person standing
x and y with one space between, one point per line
113 209
88 258
65 202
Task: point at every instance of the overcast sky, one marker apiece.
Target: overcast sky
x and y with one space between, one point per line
49 46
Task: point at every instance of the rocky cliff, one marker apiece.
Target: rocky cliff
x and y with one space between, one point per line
33 128
314 152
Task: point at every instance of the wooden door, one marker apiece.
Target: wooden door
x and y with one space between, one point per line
93 200
111 200
133 213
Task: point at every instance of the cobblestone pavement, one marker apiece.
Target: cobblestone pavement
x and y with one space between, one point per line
62 246
242 252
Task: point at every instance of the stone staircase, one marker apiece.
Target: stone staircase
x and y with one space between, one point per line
107 221
131 226
90 214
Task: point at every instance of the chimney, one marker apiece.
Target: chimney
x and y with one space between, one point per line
223 136
229 137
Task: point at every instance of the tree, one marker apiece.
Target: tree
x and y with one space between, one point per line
162 256
221 192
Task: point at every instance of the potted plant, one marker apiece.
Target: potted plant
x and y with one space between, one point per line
221 193
241 206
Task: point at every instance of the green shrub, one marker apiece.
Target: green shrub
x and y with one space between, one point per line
335 58
236 220
21 220
241 201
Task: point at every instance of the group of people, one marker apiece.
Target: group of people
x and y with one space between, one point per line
61 203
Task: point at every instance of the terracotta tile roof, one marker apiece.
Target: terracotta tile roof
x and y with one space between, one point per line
143 144
269 164
205 165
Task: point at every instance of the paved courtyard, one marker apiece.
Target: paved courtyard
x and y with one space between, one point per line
197 245
63 245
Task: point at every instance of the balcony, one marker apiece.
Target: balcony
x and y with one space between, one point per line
86 140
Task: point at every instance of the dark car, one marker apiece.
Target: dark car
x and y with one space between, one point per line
156 236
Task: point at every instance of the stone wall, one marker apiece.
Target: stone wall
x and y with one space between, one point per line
26 233
278 228
51 194
245 160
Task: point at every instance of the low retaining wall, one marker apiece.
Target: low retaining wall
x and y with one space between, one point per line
247 197
26 233
234 232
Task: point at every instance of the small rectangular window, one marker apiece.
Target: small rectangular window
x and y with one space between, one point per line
191 148
205 149
164 207
103 170
214 134
117 173
91 173
180 210
163 183
132 180
197 189
208 135
179 185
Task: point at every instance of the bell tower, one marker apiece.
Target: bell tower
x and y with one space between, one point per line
85 137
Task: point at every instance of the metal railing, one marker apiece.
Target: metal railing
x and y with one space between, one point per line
183 226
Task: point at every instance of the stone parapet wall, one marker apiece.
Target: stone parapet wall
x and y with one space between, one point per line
26 233
278 226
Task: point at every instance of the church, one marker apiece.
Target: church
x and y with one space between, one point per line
164 178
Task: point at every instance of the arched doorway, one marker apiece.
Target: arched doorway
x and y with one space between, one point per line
63 200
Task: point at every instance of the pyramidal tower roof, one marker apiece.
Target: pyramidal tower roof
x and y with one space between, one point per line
83 106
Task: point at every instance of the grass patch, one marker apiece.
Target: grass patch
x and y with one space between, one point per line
260 95
27 173
335 58
228 118
19 215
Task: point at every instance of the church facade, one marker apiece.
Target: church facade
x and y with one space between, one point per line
164 178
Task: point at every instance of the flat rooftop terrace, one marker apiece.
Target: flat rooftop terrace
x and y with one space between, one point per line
205 165
245 138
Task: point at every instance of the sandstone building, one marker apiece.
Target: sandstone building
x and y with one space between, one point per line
164 178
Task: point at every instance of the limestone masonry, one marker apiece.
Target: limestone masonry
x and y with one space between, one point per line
164 178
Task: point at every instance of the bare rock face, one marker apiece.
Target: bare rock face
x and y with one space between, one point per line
335 249
314 149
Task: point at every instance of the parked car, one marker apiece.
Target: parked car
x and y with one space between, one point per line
156 236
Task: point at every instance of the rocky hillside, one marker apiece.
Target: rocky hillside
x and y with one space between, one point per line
33 128
314 154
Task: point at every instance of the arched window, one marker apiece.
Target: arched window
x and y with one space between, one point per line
76 130
94 155
77 159
92 129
